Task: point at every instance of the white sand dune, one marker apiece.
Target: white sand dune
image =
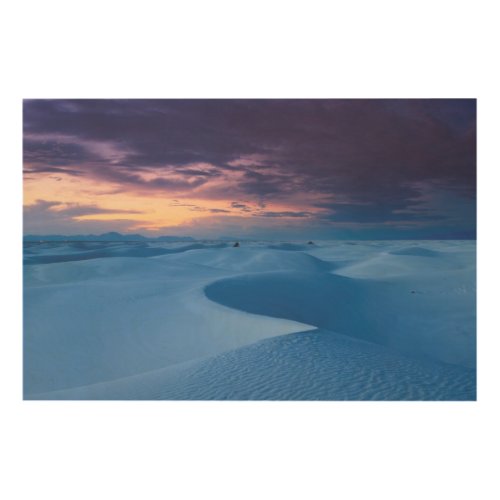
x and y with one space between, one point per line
109 318
337 320
53 252
310 365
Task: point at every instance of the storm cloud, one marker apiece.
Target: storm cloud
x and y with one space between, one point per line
354 160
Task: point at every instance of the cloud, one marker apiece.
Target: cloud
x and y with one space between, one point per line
219 211
283 214
49 215
374 155
241 206
52 170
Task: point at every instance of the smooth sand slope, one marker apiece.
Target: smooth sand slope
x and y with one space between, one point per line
337 320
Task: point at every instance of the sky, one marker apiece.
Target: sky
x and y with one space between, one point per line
262 169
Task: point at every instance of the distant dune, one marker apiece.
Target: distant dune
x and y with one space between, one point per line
113 236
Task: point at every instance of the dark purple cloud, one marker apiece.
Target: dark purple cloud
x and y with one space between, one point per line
52 170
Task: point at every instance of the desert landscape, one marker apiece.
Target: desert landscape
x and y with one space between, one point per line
331 320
